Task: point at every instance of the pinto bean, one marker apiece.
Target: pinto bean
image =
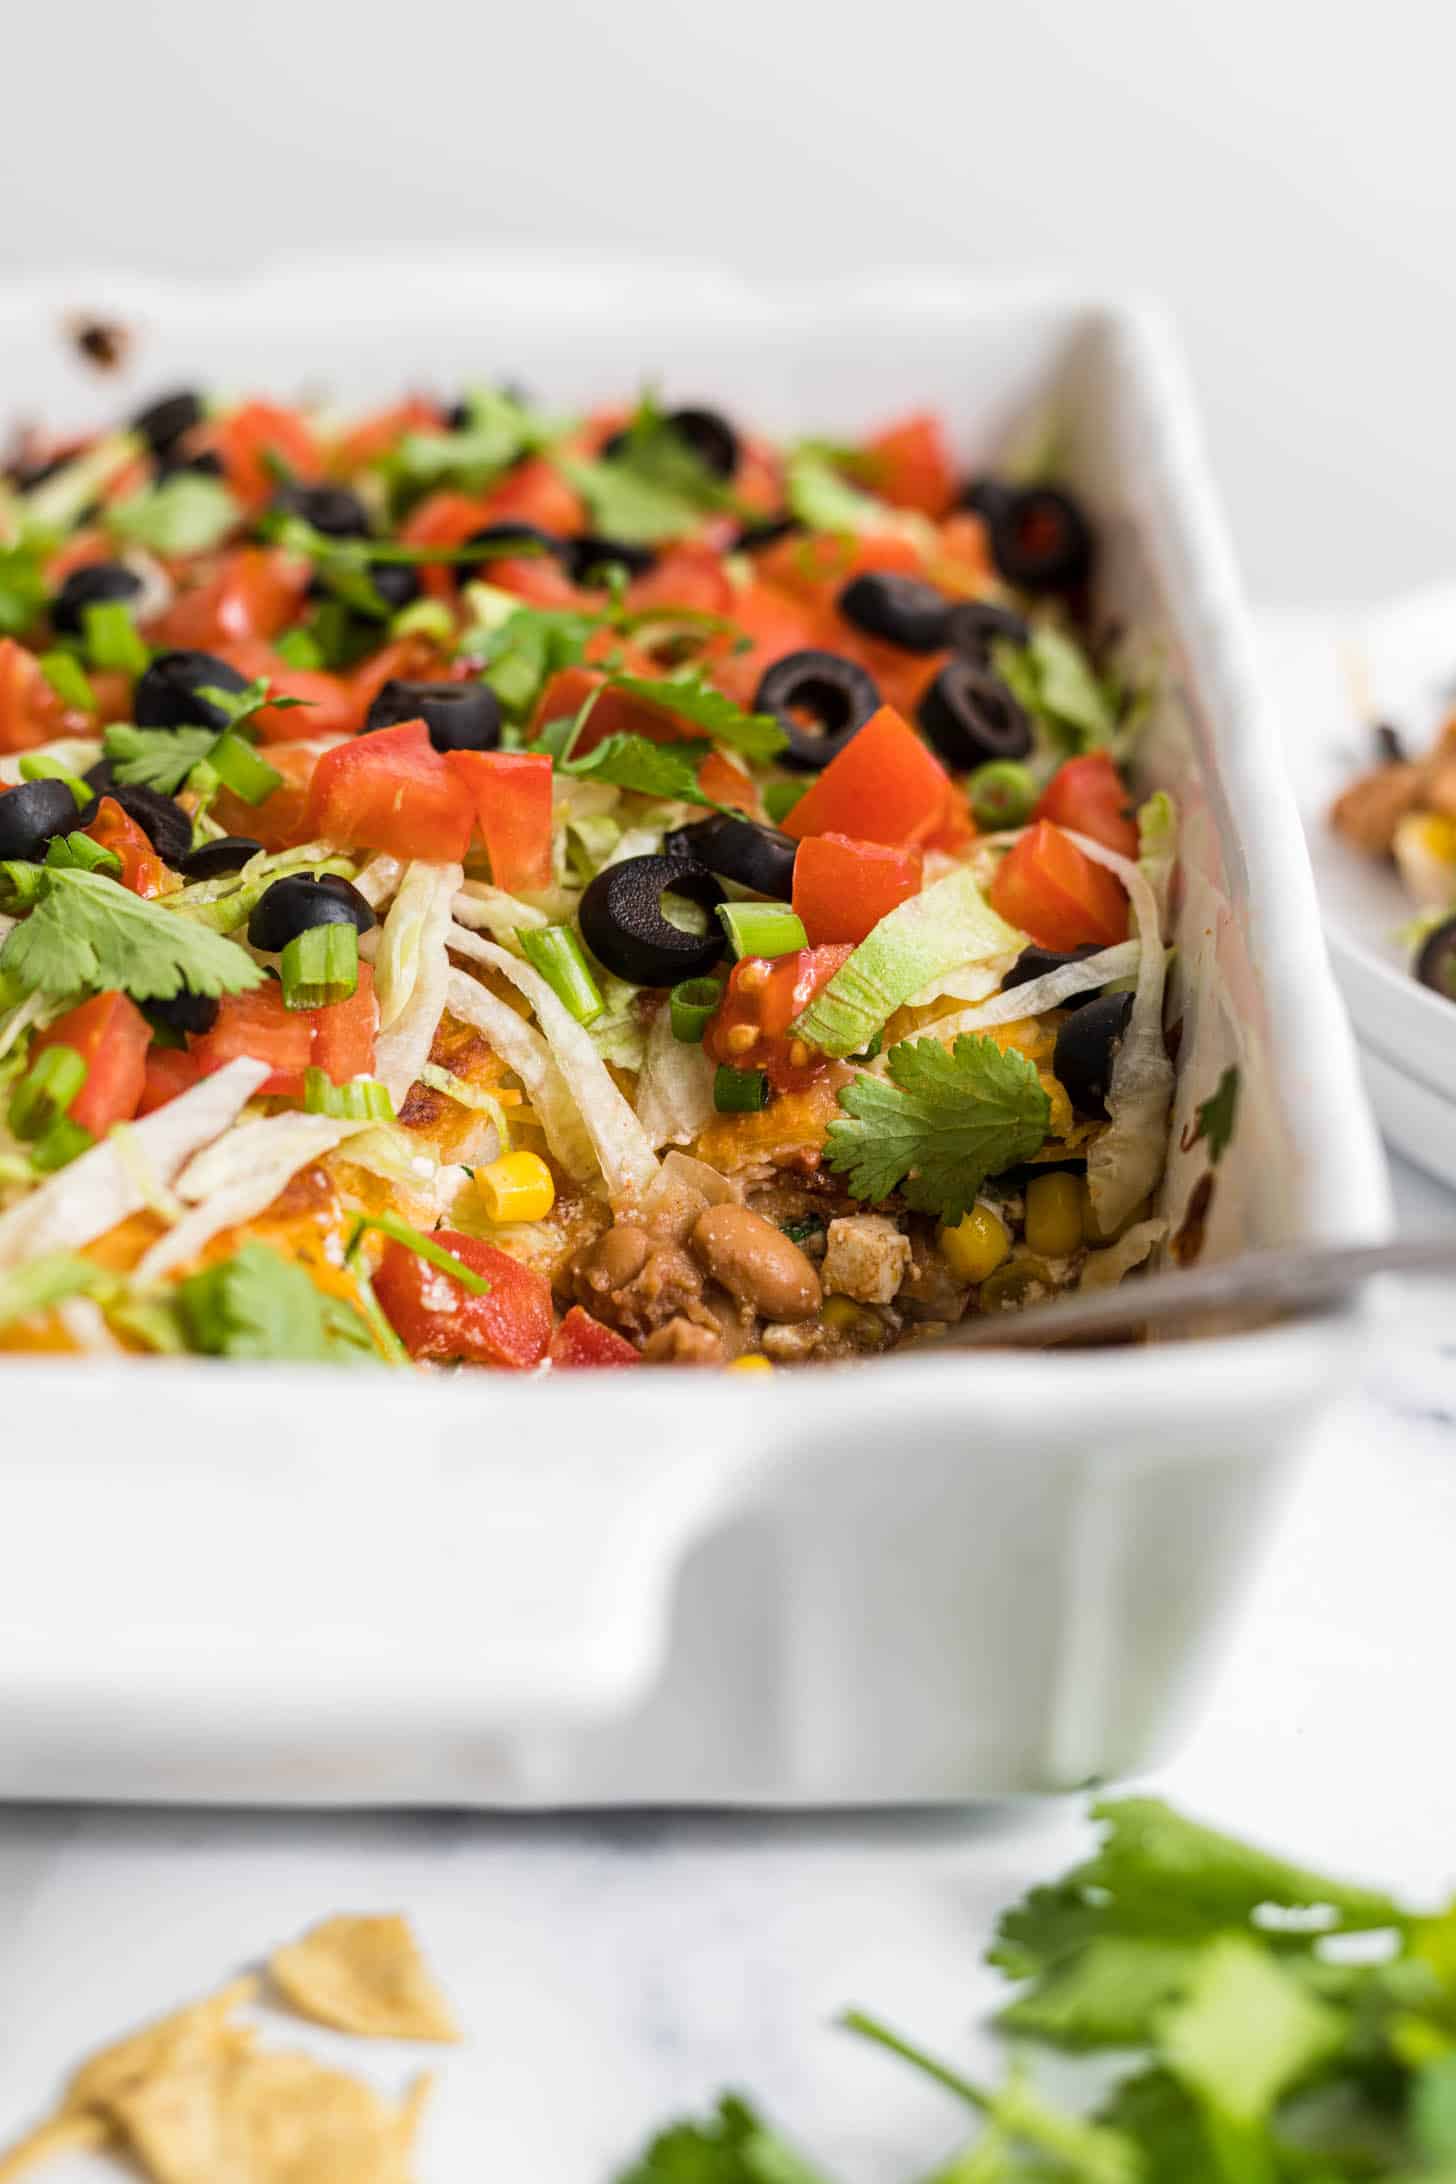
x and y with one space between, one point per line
756 1263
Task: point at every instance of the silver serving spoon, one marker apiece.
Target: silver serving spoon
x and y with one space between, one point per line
1256 1286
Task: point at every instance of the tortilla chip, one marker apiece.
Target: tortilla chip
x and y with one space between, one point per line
115 2070
77 2134
286 2119
172 2116
365 1976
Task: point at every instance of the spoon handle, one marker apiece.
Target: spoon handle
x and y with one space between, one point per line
1288 1280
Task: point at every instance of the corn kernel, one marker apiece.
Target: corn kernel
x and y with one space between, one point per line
752 1363
840 1314
976 1245
1053 1214
517 1187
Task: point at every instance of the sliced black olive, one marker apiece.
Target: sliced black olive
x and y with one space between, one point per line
1435 964
1041 962
1086 1048
166 692
502 537
185 1011
31 814
901 608
711 438
459 716
332 509
738 849
298 902
101 776
163 422
206 462
969 715
1040 539
623 925
212 860
983 494
838 694
589 555
93 586
754 536
162 820
975 625
397 583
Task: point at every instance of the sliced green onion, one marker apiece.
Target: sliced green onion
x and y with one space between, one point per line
362 1099
23 883
77 852
47 1281
423 1247
66 676
320 967
111 638
386 1341
1002 794
762 928
299 648
46 1091
739 1091
780 797
35 766
64 1142
424 618
556 953
692 1004
238 766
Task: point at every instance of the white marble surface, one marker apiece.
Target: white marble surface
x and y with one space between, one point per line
614 1971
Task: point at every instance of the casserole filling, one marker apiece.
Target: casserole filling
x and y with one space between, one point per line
482 887
1403 812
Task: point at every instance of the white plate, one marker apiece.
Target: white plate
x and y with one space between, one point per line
1330 678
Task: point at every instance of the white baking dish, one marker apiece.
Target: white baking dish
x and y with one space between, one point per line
929 1578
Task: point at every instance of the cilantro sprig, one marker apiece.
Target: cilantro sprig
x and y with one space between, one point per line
87 934
166 759
260 1305
653 486
688 697
947 1119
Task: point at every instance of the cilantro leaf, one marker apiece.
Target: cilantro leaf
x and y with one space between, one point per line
1214 1124
156 758
499 431
23 587
241 705
668 770
735 2147
87 933
188 513
629 504
1105 1995
1052 679
521 654
688 697
945 1121
1245 2032
260 1305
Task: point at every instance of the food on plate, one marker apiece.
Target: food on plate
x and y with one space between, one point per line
1403 811
192 2095
484 888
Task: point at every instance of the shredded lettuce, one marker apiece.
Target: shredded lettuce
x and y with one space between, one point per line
491 910
525 1052
1125 1161
1048 992
95 1192
624 1153
948 927
675 1089
238 1177
411 972
1157 823
229 901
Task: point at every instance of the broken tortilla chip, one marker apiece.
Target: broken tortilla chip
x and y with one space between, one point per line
112 2072
78 2134
365 1976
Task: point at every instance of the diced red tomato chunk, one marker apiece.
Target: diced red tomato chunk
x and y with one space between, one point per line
436 1317
842 888
1054 892
1088 795
392 791
111 1035
582 1340
884 786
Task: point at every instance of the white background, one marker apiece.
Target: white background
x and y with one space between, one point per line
1280 172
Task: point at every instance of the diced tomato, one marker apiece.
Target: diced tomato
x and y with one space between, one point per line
842 888
343 1033
962 560
816 569
376 434
764 994
393 791
410 659
247 437
511 793
82 550
911 464
687 575
435 1317
111 1035
535 492
884 786
30 711
539 579
726 783
257 1024
1048 887
1088 795
582 1340
169 1071
328 705
255 592
142 869
280 821
446 518
777 624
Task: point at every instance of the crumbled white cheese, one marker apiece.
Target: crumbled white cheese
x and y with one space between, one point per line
867 1258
